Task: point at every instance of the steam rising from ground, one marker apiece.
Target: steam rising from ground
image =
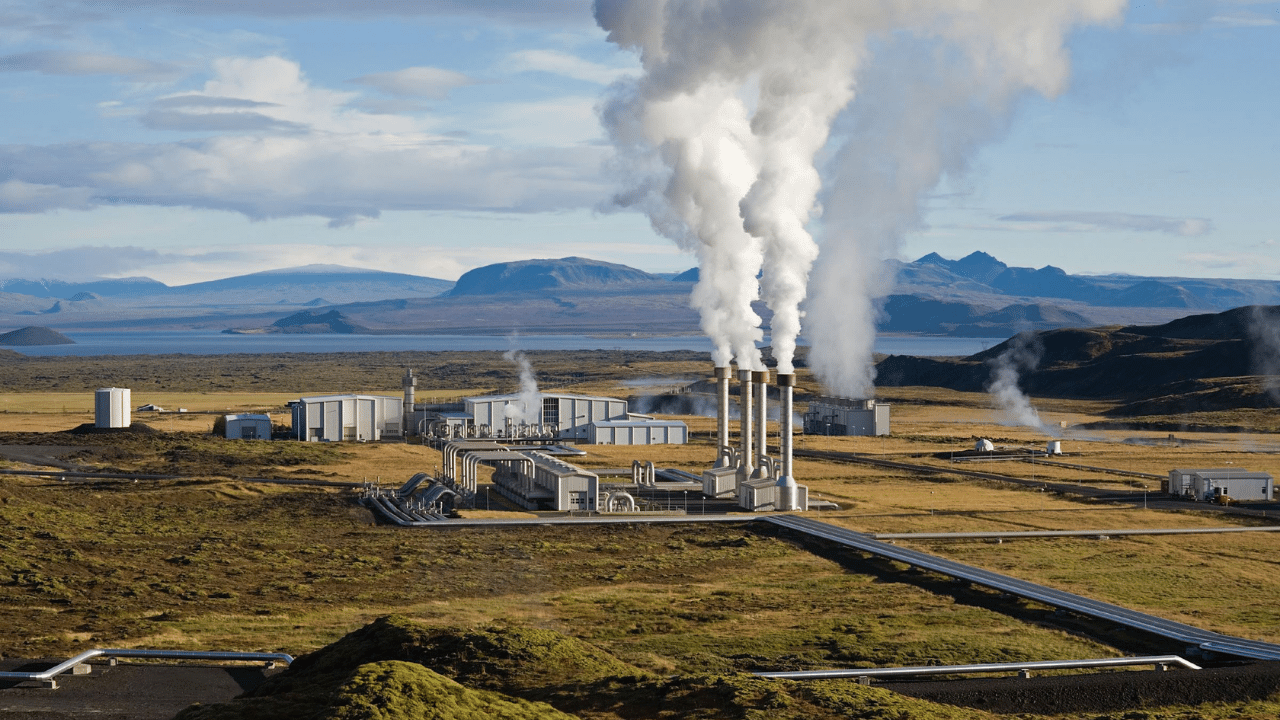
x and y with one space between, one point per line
1264 328
528 408
1022 354
719 141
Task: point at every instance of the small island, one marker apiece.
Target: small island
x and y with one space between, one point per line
32 336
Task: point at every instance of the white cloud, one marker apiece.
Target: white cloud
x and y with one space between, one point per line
290 148
79 263
17 196
420 82
50 62
1085 221
560 121
561 63
1238 264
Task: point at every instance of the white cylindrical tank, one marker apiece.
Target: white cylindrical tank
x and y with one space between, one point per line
984 445
111 408
1054 447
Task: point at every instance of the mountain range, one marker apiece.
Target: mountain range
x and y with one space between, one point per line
975 296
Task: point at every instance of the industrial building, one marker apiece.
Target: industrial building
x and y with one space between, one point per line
247 426
846 416
1211 484
111 408
335 418
559 416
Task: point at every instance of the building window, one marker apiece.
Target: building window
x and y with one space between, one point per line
551 411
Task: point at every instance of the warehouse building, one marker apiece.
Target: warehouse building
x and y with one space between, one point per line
337 418
846 416
558 416
1210 484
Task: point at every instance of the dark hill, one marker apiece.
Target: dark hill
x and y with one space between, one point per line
33 336
1133 363
311 322
536 275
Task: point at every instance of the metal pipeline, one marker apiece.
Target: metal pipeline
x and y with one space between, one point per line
47 676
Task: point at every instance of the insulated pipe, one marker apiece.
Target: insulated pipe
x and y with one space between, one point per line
722 414
746 456
788 493
760 388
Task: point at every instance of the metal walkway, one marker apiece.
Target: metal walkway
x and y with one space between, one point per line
1195 637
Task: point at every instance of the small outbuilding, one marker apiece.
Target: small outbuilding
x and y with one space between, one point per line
248 426
111 408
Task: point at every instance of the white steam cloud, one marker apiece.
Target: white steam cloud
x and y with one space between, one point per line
1264 329
1022 354
719 138
528 407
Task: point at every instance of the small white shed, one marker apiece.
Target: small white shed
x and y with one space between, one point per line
247 426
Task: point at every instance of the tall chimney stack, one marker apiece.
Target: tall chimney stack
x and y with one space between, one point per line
409 382
722 415
745 462
760 381
788 492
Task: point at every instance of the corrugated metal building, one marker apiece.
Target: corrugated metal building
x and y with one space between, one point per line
553 485
568 417
1207 484
336 418
846 416
638 431
248 426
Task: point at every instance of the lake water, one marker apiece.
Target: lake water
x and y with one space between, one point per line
195 343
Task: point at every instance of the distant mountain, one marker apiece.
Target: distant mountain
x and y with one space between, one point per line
122 287
309 322
690 275
32 336
303 284
539 275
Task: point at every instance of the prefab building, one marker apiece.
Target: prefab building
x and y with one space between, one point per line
1207 484
638 431
338 418
111 408
846 416
248 426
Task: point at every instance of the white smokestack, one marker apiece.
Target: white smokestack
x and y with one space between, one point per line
788 491
738 97
722 415
746 463
760 381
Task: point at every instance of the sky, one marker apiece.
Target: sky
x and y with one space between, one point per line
188 140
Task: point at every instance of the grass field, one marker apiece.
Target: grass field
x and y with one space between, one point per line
216 562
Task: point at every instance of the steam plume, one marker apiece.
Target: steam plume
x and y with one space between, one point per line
1022 354
528 408
718 140
1264 329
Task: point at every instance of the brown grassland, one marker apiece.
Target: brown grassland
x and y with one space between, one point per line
215 561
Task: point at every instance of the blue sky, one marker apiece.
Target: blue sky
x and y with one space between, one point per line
187 140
